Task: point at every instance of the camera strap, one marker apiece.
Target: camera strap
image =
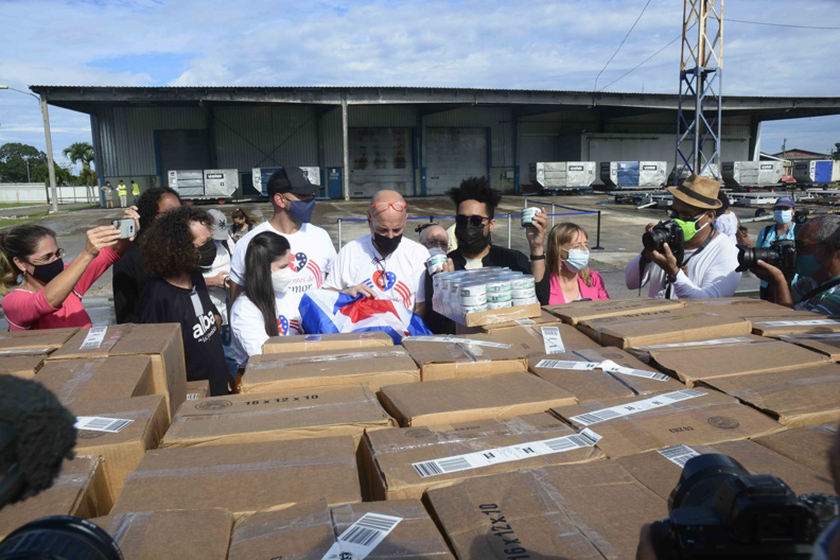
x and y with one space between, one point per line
821 288
705 244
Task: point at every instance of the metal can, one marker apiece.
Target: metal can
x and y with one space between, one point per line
528 215
501 296
473 289
522 282
523 301
521 294
499 304
436 261
497 285
467 309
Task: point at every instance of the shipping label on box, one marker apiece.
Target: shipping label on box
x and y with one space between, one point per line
801 322
318 342
688 416
198 390
593 510
576 311
499 396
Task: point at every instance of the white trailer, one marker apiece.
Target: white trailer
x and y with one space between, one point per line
563 175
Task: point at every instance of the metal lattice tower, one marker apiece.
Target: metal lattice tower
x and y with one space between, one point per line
699 112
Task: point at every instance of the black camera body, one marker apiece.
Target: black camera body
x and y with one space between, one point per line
781 254
719 510
666 232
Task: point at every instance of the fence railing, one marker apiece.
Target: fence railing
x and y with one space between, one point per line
38 193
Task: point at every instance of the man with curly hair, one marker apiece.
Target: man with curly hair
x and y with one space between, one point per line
176 292
129 275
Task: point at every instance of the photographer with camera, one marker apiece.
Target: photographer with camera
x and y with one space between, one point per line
817 263
784 211
691 259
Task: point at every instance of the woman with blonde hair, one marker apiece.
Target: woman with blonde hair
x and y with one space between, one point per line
566 275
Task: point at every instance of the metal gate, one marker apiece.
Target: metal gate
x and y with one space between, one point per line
180 150
452 155
381 158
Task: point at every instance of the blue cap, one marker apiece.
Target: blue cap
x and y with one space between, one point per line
785 202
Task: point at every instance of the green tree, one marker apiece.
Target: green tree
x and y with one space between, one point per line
82 152
14 158
835 153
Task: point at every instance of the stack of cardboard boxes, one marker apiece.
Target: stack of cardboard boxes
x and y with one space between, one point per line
556 433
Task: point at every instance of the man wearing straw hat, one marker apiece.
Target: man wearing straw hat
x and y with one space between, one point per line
708 267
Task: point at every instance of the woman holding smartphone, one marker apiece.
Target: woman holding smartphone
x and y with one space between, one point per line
41 292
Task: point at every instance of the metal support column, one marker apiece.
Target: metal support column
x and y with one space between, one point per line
345 148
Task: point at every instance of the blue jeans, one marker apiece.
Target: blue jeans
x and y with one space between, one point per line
230 355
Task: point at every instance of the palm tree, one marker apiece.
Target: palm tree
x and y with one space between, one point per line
83 152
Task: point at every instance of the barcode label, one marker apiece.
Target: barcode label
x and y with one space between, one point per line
94 338
665 399
714 342
552 339
192 396
568 364
99 424
457 340
823 336
804 323
678 454
612 367
586 438
362 537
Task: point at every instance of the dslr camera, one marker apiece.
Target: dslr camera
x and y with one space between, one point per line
780 253
666 232
719 510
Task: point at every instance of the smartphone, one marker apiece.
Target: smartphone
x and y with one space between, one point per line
126 227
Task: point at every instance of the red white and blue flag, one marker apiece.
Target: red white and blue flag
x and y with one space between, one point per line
326 311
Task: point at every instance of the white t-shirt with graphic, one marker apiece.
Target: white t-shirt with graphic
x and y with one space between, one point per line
312 256
248 328
399 276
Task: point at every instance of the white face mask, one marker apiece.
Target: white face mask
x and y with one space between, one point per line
577 260
281 279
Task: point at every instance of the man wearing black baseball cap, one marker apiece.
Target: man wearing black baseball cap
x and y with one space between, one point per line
292 197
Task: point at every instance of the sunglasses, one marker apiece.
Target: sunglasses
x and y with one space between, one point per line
474 221
379 207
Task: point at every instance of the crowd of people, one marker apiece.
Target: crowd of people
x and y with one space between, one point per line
232 286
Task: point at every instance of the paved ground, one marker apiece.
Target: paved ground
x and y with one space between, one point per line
621 230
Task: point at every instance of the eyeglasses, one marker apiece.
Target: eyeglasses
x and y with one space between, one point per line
50 258
685 216
379 207
474 221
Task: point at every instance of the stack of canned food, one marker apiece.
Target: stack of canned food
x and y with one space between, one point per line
462 292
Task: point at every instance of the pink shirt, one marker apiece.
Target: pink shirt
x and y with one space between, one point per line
30 310
593 292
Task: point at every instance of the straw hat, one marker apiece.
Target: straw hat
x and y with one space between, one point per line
697 191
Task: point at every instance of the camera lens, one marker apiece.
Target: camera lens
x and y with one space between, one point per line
701 477
654 239
60 537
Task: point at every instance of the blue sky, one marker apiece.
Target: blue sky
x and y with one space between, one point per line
487 44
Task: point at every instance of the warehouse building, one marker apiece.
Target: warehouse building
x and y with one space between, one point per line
419 141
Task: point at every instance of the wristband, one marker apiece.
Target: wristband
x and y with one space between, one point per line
537 258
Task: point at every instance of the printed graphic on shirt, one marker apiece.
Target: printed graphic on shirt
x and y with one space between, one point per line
301 262
205 327
287 327
386 281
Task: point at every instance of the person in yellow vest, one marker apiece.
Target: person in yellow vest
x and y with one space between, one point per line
122 192
135 190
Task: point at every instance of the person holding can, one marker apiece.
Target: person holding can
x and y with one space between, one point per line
564 275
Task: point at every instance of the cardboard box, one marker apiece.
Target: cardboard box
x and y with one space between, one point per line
544 318
393 453
328 368
74 492
807 446
286 415
121 451
532 338
202 534
244 478
577 311
450 357
21 365
827 344
689 416
118 377
797 322
499 316
604 381
662 327
643 352
799 397
318 342
590 511
660 470
499 396
744 308
312 530
197 390
41 341
162 343
695 364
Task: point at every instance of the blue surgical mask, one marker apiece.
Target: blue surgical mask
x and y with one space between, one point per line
577 260
807 266
301 210
782 217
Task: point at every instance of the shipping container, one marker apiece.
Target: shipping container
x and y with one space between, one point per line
563 175
748 174
623 175
814 171
197 184
188 183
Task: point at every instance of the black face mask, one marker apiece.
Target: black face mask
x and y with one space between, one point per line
386 245
471 239
46 272
207 254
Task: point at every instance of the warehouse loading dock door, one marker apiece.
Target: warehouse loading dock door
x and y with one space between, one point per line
381 158
180 150
452 155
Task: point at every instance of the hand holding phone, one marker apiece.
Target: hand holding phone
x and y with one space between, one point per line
126 227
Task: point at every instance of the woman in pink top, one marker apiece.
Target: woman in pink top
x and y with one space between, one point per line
50 295
566 276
